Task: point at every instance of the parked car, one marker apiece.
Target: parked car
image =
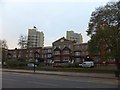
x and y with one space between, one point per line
31 65
60 63
57 64
87 64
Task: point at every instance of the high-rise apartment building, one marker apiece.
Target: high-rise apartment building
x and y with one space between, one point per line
70 35
35 38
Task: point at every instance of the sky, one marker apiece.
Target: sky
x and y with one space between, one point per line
53 17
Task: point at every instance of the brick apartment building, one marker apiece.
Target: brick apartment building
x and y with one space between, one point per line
61 50
68 51
28 55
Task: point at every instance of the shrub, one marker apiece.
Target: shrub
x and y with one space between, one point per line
12 63
21 64
72 65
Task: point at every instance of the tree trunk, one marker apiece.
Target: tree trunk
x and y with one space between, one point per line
117 61
117 72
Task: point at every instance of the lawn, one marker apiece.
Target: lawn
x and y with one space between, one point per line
97 69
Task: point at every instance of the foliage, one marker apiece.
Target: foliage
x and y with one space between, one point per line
21 64
21 60
104 29
15 63
72 65
93 46
12 63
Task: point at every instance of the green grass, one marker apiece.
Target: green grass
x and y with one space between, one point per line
100 69
89 70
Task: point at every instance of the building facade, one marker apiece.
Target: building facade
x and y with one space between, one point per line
47 55
70 35
65 50
62 50
80 51
35 38
28 55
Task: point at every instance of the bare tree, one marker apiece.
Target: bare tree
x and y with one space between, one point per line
3 44
22 41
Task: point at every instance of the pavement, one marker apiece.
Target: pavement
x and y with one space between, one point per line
94 75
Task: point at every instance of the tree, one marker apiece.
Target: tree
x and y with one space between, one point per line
3 47
22 41
104 30
3 44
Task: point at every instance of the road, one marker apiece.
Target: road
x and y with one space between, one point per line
26 80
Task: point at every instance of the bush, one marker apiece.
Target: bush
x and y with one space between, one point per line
12 63
72 65
15 63
21 64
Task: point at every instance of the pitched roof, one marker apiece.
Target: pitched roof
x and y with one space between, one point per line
63 39
57 49
66 48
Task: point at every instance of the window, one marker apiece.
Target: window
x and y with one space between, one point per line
49 50
62 40
30 59
77 53
57 52
31 51
30 55
77 59
66 58
54 47
59 46
69 46
66 52
45 51
49 61
57 58
26 55
19 55
49 55
65 45
42 56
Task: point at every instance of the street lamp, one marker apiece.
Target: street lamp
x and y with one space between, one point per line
34 60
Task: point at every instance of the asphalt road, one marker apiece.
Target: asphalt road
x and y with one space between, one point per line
24 80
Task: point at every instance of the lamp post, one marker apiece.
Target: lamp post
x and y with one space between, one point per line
34 60
36 54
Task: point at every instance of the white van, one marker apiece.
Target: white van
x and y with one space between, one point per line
87 64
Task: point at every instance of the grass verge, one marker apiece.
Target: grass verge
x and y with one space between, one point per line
102 69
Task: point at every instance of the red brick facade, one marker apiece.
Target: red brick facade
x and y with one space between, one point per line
61 50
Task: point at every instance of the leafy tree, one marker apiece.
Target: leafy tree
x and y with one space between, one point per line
104 30
22 41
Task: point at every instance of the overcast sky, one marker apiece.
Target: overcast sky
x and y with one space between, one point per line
53 17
